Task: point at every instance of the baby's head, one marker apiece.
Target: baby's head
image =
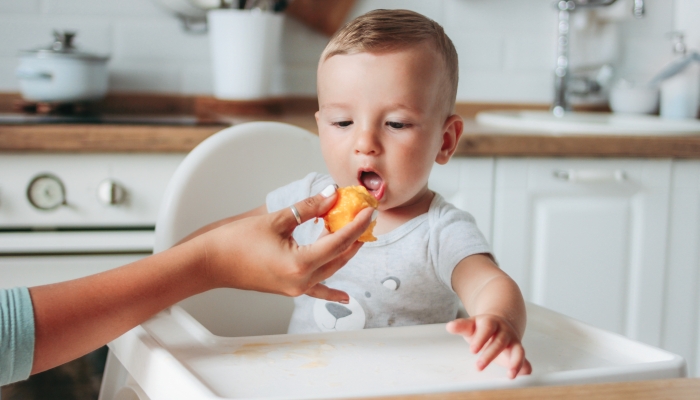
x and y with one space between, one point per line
387 83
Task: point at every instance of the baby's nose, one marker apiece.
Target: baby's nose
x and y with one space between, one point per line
367 142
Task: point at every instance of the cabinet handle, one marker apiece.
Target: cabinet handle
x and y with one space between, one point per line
590 175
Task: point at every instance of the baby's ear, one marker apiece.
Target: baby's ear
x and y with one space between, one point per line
451 132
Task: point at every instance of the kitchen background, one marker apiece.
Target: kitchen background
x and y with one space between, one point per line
646 224
506 47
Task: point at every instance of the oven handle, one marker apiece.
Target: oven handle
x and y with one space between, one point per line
89 242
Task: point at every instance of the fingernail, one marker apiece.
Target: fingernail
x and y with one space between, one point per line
344 301
329 190
375 214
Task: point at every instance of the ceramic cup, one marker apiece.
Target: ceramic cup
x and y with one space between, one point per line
245 48
627 98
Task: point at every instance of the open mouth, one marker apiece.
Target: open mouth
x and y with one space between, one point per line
372 182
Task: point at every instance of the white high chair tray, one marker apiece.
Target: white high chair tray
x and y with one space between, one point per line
172 356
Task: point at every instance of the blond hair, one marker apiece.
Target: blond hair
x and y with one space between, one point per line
390 30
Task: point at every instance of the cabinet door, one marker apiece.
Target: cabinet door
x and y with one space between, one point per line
682 299
468 184
586 238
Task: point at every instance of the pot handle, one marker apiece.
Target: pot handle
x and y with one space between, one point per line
33 74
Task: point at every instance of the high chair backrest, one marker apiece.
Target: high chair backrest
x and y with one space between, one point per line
229 173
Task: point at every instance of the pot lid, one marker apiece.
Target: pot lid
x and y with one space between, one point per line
63 47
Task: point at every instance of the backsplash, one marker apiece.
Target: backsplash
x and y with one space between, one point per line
506 47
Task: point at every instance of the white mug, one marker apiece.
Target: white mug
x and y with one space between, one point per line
245 48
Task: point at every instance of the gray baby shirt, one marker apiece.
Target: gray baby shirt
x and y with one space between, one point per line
403 278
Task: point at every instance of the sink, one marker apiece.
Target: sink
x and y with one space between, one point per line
588 123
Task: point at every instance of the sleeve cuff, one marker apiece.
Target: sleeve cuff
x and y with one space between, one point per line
16 335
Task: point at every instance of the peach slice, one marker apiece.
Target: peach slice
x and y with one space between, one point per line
351 200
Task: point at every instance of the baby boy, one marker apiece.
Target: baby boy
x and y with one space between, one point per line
387 85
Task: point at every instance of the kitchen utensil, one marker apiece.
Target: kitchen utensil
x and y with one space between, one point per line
262 5
321 15
61 73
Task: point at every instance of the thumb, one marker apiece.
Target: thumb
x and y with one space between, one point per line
461 326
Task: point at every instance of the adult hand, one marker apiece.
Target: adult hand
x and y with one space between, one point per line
255 253
498 340
259 253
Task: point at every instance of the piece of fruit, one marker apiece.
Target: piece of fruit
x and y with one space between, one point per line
351 200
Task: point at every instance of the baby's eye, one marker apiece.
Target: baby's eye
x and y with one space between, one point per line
342 124
396 125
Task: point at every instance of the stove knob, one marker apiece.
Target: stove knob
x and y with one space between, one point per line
46 192
110 192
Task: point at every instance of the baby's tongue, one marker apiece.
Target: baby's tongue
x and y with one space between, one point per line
371 180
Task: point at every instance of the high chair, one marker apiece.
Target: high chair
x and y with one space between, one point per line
209 346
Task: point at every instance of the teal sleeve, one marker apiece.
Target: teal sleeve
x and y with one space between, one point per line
16 335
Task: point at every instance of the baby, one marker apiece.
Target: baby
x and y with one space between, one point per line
387 84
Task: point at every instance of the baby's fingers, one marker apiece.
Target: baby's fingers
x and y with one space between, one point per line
485 329
517 360
497 344
526 369
461 326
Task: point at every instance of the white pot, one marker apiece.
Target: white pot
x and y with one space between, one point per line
61 74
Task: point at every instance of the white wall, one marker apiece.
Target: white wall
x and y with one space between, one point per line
506 47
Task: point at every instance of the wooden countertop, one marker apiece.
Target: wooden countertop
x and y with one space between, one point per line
477 141
676 389
486 141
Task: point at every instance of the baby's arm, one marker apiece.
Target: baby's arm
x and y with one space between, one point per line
262 210
497 314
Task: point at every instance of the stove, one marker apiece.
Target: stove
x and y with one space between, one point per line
64 216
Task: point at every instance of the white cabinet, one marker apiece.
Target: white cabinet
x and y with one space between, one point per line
682 296
468 184
587 238
612 242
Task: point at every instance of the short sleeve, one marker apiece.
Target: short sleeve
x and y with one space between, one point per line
16 335
454 237
287 195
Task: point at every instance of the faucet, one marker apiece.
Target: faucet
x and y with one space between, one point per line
562 75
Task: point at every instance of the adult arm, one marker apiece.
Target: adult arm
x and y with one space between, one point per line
256 253
262 210
497 314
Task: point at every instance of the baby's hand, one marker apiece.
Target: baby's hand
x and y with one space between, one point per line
498 340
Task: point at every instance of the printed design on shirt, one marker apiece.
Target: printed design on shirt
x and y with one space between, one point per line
332 316
391 283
